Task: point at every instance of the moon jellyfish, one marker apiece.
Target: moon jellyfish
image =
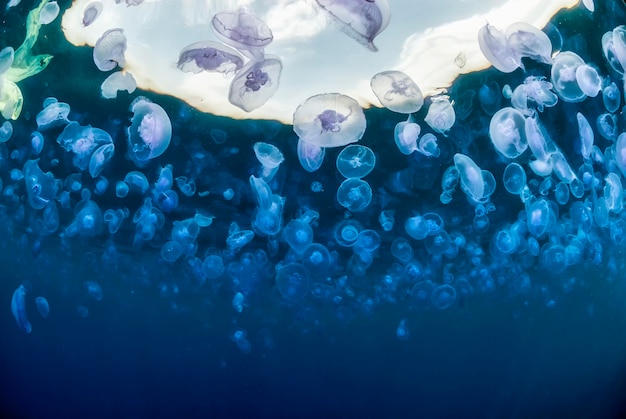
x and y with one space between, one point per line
440 116
356 161
49 12
270 157
405 135
209 56
620 153
53 115
540 218
585 134
100 158
18 308
471 176
109 50
244 31
82 141
292 282
117 82
588 80
421 294
354 194
91 12
563 76
42 306
239 239
619 44
494 46
6 131
239 337
329 120
402 331
256 83
528 41
417 227
317 260
428 146
443 296
361 20
41 187
298 235
213 266
88 222
150 131
611 97
514 178
94 290
507 132
534 90
311 156
397 92
347 232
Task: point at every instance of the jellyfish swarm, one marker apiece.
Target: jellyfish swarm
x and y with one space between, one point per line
150 131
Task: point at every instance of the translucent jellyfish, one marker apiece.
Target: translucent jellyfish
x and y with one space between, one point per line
329 120
428 145
470 175
443 296
53 115
354 194
620 153
619 44
561 193
270 157
534 90
49 12
117 82
171 250
311 156
588 80
6 131
238 302
42 306
610 54
607 126
11 99
292 282
361 20
137 181
356 161
114 218
540 218
613 193
440 116
255 83
585 134
41 187
397 92
209 56
347 233
167 200
417 227
563 76
91 12
150 131
109 50
405 135
494 46
386 218
611 97
401 249
82 141
507 132
366 244
18 308
317 260
185 232
402 331
298 235
421 294
589 5
528 41
239 337
243 31
100 158
213 266
239 239
514 178
88 222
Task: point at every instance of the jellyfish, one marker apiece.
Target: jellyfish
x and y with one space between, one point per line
244 31
443 296
117 82
49 12
588 80
185 232
514 178
417 227
41 187
243 344
53 115
88 221
421 294
317 260
209 56
292 282
347 232
150 131
114 219
82 141
354 194
563 76
397 92
42 306
619 44
540 218
255 83
611 97
239 239
311 156
507 132
402 331
270 157
329 120
18 308
495 48
620 153
100 158
534 89
213 266
440 116
6 131
428 146
137 181
171 250
109 50
585 134
471 176
356 161
91 12
528 41
405 135
361 20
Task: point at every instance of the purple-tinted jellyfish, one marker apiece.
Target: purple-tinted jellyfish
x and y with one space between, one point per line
82 141
244 31
209 56
361 20
440 116
150 131
91 12
563 76
534 89
311 156
397 92
256 83
495 48
530 42
329 120
507 132
41 187
109 50
116 82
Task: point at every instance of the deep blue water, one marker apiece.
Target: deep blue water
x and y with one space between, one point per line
158 343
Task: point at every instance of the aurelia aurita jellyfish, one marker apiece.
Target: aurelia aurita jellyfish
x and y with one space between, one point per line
563 76
82 141
619 44
243 344
18 308
88 221
311 156
507 132
417 227
150 131
91 12
428 145
137 181
397 92
540 218
11 99
609 52
6 131
386 218
471 176
611 97
100 158
514 178
585 133
42 306
494 46
534 90
117 82
440 116
7 55
53 115
620 153
421 294
362 21
244 31
270 157
171 251
356 161
354 194
238 239
317 260
292 282
329 120
402 331
347 232
213 266
405 135
209 56
588 80
109 50
443 296
41 187
49 12
528 41
255 83
299 235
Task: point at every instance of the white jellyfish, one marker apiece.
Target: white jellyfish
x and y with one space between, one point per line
507 132
397 92
117 82
471 176
150 131
563 76
109 50
440 116
256 83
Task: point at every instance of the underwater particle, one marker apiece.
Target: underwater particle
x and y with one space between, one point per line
109 50
150 131
117 82
360 20
329 120
209 56
397 92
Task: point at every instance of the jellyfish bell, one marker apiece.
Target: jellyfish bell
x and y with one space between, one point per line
256 83
109 50
242 30
209 56
150 131
397 91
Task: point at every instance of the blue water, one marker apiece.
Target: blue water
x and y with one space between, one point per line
156 339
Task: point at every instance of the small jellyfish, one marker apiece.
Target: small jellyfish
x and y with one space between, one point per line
495 48
507 132
588 80
53 115
100 158
397 92
136 181
347 232
186 186
36 142
209 56
238 302
440 116
386 219
585 134
94 290
49 12
109 50
213 266
421 294
292 282
171 251
41 187
471 176
255 83
6 131
563 76
114 218
311 156
329 120
402 331
428 146
443 296
417 227
317 260
354 194
18 308
361 20
239 239
91 12
514 178
405 135
299 235
150 131
270 157
611 97
356 161
239 337
42 306
88 221
244 31
117 82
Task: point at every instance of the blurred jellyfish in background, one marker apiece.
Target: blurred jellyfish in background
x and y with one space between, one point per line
150 131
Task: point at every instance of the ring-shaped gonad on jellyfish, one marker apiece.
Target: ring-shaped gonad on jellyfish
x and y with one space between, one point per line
397 92
209 56
150 131
563 76
109 50
361 20
243 30
329 120
256 83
